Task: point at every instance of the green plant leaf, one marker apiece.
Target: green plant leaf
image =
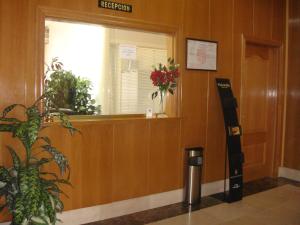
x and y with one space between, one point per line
10 108
48 209
56 190
171 91
46 139
11 120
59 205
18 210
30 191
27 131
4 174
25 222
67 124
52 187
38 220
25 192
154 95
61 181
16 159
43 161
42 97
51 174
7 127
58 157
2 184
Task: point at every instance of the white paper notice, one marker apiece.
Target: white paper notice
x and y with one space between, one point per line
202 55
128 52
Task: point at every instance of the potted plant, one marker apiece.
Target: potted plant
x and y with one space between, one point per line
165 78
31 194
68 92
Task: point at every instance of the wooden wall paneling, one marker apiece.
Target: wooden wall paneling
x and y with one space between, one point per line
74 155
221 27
130 159
97 166
165 156
279 18
243 17
175 43
196 19
281 105
90 158
87 5
138 9
292 130
195 83
12 52
92 7
194 105
243 24
7 140
263 13
276 83
163 12
32 74
72 148
12 68
222 31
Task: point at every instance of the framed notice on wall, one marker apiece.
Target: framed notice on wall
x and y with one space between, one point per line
201 54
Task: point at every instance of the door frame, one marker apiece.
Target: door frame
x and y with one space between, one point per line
278 52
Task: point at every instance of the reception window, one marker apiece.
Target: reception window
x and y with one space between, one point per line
93 69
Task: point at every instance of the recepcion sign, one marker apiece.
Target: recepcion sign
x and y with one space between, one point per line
115 6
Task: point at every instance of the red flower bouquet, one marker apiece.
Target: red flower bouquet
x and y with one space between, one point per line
165 78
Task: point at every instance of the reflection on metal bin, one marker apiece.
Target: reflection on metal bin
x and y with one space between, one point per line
192 175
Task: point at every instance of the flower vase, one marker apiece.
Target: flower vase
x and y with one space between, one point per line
161 112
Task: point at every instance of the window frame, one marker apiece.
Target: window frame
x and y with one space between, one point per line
173 104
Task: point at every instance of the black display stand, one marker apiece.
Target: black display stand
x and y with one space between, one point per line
233 141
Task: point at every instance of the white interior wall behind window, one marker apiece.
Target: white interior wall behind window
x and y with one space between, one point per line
80 47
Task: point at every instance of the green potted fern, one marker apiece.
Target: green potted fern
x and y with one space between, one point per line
31 194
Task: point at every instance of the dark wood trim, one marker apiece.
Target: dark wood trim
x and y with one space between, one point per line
263 42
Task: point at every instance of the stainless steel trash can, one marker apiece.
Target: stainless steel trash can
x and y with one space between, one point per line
192 175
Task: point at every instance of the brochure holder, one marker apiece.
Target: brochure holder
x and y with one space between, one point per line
233 141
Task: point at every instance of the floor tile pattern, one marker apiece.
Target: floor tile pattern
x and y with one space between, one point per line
236 213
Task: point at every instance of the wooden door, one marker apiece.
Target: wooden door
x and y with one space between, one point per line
258 109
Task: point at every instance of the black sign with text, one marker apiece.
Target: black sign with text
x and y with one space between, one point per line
115 6
233 140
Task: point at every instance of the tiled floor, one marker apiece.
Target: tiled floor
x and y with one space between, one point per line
278 206
254 209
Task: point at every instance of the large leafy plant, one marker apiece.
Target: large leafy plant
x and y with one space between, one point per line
31 194
68 91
